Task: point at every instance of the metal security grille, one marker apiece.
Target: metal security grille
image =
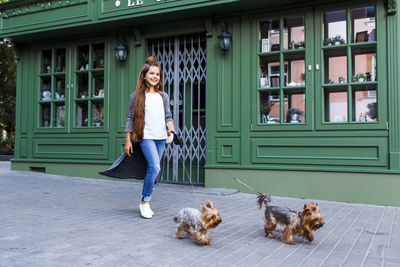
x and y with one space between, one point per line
183 59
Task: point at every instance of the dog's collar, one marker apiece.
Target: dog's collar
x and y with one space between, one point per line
300 215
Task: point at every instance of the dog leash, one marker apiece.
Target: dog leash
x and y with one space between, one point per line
266 196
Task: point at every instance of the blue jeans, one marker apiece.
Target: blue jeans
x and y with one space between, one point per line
152 151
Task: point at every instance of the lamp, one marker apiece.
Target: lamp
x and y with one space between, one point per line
121 51
225 39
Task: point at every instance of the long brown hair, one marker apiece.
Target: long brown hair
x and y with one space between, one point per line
140 98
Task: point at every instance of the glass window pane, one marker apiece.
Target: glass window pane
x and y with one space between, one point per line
45 89
60 60
270 36
294 33
46 61
335 66
363 24
97 113
45 114
59 115
364 103
83 85
335 27
60 88
295 106
269 71
82 114
83 57
294 69
335 100
98 84
270 106
98 56
364 64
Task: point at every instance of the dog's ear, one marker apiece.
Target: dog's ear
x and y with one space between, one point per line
306 209
210 204
203 207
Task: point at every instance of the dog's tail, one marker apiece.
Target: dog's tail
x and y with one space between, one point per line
261 198
176 219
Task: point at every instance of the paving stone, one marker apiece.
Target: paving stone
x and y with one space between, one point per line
55 220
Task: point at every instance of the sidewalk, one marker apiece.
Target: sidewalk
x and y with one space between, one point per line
52 220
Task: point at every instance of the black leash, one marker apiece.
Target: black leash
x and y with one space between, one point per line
266 196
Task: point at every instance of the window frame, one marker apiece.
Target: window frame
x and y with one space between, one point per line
381 83
70 83
256 125
38 91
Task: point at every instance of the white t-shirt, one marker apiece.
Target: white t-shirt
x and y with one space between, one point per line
154 117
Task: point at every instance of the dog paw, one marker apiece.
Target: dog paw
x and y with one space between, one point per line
271 235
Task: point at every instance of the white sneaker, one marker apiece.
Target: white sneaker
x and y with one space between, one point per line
146 211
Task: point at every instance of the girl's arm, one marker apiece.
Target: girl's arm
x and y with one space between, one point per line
171 127
128 144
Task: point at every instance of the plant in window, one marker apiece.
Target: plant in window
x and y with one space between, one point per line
97 122
359 77
294 115
300 45
337 40
328 41
265 109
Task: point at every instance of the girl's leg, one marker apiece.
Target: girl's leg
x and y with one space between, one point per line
151 152
160 144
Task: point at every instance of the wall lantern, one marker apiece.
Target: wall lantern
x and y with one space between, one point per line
225 39
121 51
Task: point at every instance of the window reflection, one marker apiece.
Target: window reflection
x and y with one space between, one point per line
364 64
270 106
269 71
363 24
295 106
335 27
294 33
364 102
335 66
270 36
295 69
59 115
335 100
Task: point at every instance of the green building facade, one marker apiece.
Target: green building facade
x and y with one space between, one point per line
304 103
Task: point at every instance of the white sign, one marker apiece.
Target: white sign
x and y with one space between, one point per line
135 3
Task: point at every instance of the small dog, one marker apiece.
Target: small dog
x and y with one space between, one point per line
196 223
289 222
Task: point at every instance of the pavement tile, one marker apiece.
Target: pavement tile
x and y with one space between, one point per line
54 220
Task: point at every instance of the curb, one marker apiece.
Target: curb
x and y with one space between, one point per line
6 157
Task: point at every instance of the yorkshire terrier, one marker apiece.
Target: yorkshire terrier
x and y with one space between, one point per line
196 223
291 223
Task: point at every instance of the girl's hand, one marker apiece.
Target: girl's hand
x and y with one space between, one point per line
128 148
170 131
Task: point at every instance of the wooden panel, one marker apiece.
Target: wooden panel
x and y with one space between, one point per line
228 150
23 148
228 105
71 148
321 151
34 17
135 8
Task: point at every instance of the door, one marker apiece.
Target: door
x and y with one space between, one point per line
183 60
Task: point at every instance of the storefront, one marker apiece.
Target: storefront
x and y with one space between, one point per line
303 103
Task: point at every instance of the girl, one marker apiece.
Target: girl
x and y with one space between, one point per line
148 114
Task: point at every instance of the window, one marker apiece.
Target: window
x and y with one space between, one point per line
52 88
89 85
282 84
350 79
85 88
